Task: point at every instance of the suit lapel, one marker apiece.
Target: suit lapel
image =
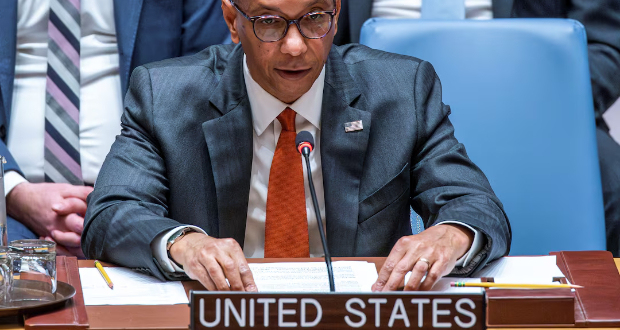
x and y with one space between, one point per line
229 143
126 16
342 155
8 36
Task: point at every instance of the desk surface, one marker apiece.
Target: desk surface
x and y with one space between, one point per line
119 317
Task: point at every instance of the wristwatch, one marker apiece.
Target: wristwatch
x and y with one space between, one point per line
174 238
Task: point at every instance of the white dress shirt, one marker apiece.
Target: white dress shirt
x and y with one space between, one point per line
474 9
265 109
100 93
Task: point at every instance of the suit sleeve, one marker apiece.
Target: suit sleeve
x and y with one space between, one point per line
11 164
601 19
203 26
125 213
446 185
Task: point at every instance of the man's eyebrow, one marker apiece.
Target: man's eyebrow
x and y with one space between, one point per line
277 9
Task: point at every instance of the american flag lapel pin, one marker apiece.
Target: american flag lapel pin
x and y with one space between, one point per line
353 126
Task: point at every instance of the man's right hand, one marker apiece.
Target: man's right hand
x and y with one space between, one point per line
211 261
51 210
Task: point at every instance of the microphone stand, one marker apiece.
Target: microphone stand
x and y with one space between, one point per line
328 259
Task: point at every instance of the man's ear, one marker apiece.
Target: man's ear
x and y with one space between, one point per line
230 16
338 6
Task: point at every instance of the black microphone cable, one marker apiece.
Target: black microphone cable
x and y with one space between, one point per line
305 144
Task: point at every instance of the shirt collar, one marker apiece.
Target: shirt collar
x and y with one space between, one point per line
265 107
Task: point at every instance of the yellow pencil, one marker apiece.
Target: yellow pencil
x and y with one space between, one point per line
104 274
514 285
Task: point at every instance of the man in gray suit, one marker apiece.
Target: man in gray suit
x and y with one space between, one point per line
185 189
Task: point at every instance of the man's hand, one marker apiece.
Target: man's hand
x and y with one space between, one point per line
54 210
66 251
211 261
439 245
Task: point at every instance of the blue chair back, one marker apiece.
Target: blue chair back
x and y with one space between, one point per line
521 101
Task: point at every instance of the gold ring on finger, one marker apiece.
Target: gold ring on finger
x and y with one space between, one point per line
428 263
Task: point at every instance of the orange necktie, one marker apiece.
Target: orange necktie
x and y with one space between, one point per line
286 226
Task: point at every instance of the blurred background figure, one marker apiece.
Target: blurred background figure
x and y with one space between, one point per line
601 19
64 71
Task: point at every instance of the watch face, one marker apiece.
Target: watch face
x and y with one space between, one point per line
176 236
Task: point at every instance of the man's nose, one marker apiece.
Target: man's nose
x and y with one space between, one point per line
293 42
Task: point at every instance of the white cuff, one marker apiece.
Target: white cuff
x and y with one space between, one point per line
158 248
11 180
476 245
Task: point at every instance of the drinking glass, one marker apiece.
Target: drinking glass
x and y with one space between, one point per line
6 275
34 270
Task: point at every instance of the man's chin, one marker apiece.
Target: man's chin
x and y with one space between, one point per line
290 96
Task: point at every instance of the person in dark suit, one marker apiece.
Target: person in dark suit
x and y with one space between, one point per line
602 21
185 189
143 31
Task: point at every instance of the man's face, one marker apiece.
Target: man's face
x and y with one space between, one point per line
286 68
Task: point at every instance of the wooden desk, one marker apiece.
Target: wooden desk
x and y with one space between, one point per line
177 317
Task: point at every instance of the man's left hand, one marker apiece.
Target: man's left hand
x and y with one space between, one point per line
432 252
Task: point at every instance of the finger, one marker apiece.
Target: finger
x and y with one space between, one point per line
245 274
67 238
217 275
390 263
231 271
70 205
80 192
208 282
398 273
74 223
196 271
232 262
246 277
63 250
419 270
433 275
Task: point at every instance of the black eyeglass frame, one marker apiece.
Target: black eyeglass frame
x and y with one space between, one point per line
253 19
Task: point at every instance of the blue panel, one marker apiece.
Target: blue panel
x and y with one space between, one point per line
521 103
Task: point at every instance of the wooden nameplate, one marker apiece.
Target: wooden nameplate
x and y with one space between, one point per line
398 310
595 305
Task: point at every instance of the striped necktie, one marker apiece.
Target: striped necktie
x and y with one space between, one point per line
443 9
62 98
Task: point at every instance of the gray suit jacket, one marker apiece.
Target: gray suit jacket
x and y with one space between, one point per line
185 156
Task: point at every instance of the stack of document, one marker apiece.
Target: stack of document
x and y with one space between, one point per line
349 276
131 288
531 270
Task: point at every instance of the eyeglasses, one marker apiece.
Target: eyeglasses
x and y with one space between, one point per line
272 28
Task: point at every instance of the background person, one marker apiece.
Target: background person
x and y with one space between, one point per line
64 69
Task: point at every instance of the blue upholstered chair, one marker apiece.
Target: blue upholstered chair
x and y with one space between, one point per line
521 103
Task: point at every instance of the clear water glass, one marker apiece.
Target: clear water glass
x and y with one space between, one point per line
6 276
34 270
